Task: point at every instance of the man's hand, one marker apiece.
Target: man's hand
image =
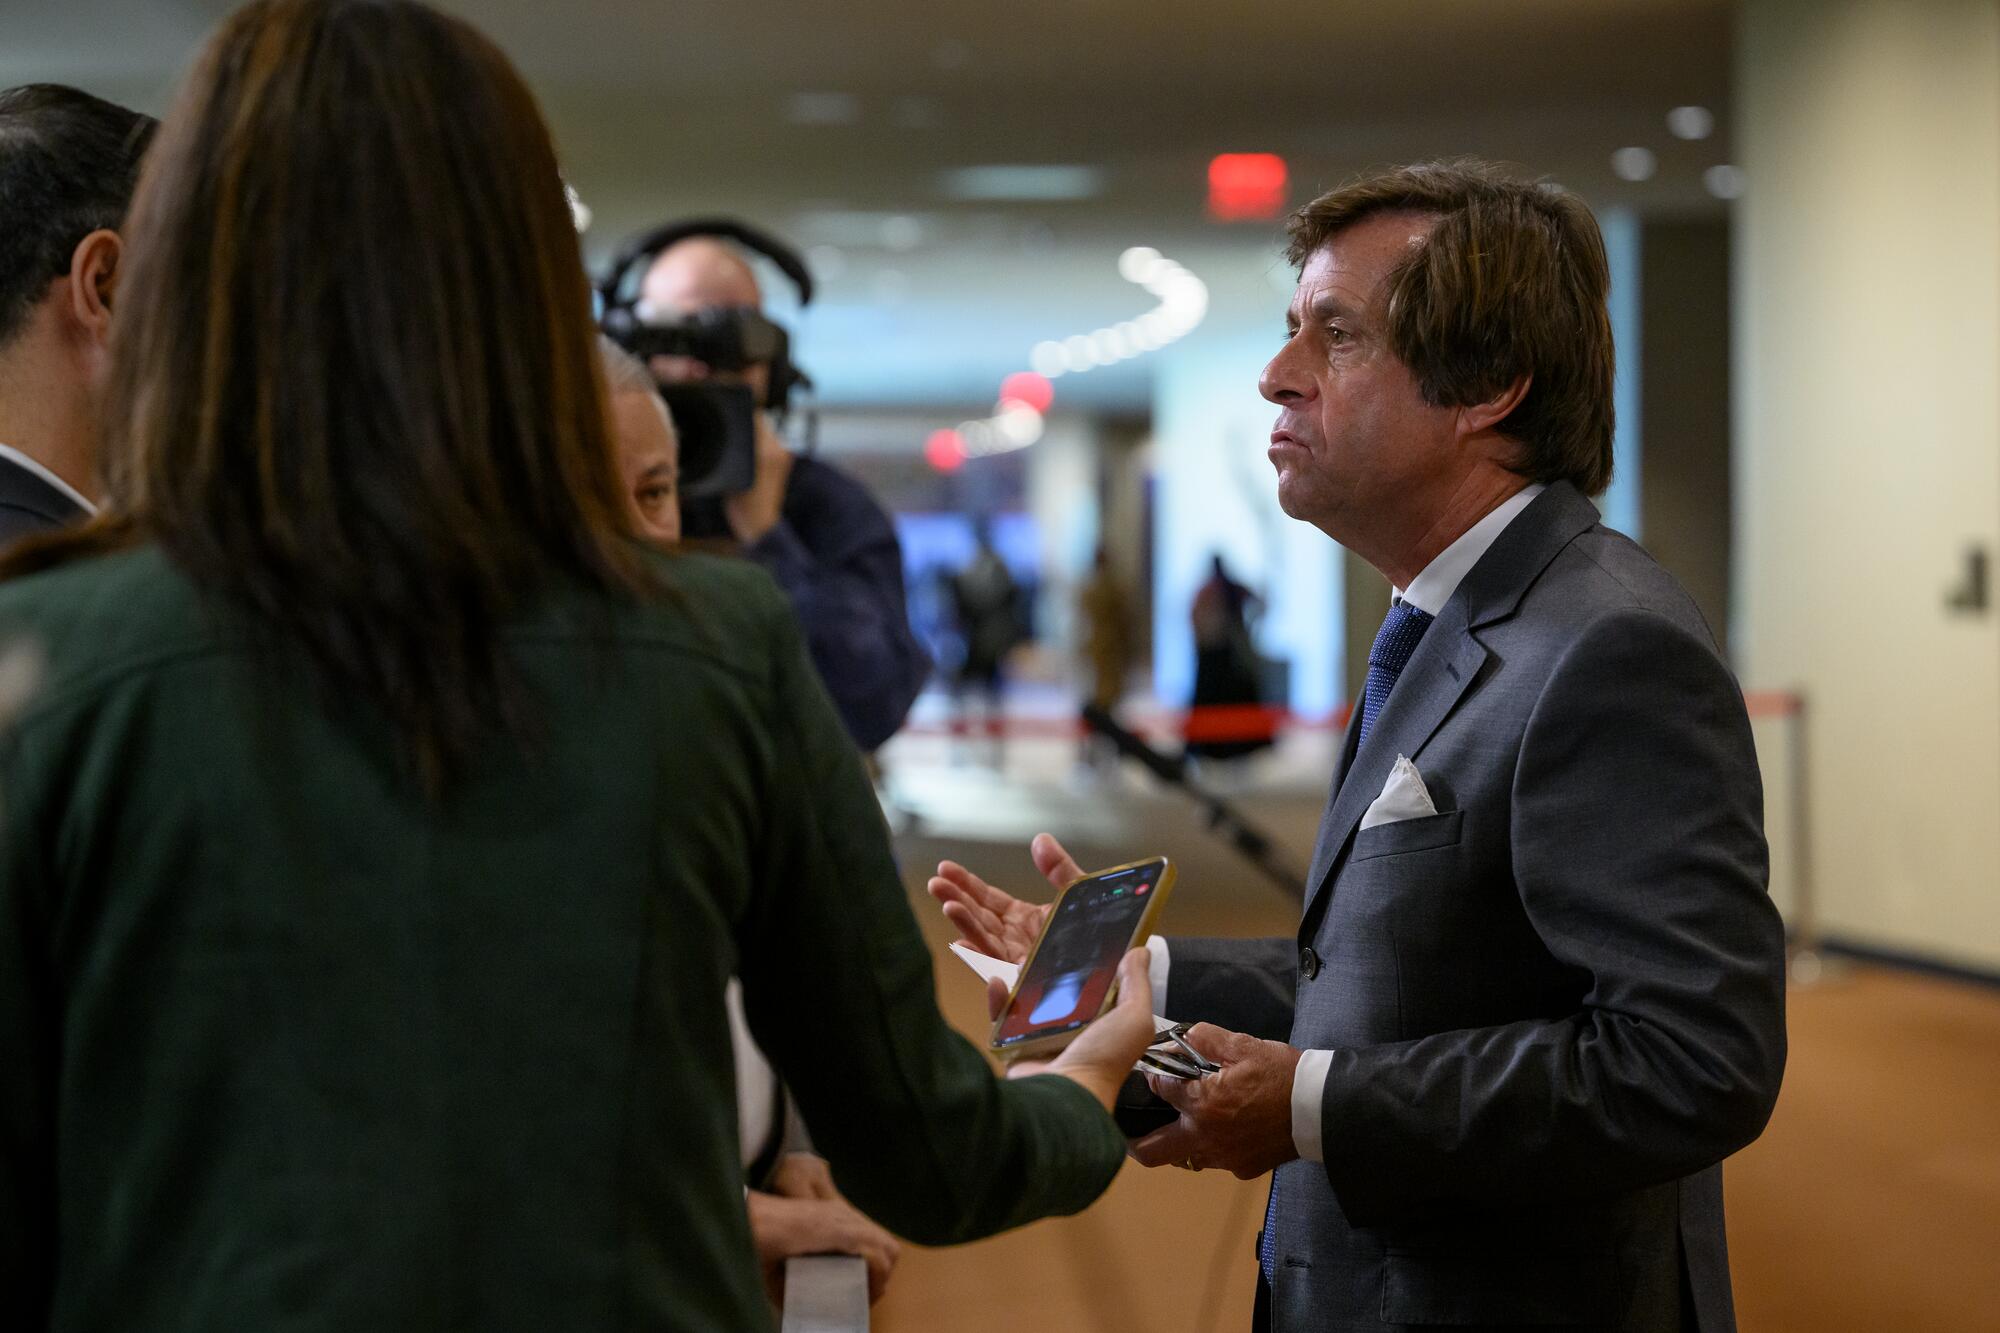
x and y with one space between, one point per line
756 511
802 1175
678 369
786 1228
1238 1119
992 920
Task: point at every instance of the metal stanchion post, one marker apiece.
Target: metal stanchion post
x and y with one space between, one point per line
826 1293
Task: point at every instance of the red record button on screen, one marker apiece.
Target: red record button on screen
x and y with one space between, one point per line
1143 886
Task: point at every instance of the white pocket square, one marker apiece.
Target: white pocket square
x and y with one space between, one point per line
1404 796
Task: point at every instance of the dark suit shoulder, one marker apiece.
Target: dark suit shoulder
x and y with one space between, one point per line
1603 573
18 521
28 503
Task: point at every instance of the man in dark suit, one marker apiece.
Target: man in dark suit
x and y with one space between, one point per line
68 164
1537 994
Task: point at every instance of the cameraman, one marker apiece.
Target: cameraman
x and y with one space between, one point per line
816 530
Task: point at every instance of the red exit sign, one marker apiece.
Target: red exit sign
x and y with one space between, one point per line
1246 187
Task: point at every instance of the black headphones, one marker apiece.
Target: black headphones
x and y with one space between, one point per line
619 292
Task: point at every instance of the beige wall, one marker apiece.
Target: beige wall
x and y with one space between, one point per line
1867 297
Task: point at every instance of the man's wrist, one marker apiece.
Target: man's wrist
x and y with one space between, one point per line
1308 1098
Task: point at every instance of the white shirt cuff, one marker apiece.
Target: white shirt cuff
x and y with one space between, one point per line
1308 1091
1156 971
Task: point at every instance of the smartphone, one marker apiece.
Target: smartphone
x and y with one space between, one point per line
1071 975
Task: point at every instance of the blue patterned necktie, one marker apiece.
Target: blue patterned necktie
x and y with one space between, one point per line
1402 630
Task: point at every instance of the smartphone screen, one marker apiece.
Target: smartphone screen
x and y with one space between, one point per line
1077 959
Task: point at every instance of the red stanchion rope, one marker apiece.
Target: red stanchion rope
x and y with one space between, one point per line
1239 722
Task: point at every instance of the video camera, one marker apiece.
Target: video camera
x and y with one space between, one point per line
716 422
724 338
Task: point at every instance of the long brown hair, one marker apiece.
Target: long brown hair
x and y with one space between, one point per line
355 386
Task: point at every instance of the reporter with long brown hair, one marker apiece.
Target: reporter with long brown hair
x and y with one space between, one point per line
386 826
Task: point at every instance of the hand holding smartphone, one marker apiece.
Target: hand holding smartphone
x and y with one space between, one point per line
1070 976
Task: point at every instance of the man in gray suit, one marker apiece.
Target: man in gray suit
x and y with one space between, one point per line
68 165
1537 994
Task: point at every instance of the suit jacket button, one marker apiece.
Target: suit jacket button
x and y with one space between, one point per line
1308 963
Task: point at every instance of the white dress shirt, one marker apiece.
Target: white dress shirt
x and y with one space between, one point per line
1428 592
19 459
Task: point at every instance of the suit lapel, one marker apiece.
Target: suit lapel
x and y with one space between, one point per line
1438 675
22 489
1324 846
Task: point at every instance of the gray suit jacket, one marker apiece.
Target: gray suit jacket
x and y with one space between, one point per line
1557 1004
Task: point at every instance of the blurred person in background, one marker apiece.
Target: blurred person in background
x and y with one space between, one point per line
794 1207
380 845
816 530
68 164
986 602
1538 992
1110 647
1228 673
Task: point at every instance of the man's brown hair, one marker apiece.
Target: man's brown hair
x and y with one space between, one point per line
1510 284
355 388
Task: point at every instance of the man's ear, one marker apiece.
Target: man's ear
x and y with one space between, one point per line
1475 418
94 268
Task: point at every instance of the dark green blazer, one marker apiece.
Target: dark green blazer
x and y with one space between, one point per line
287 1047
